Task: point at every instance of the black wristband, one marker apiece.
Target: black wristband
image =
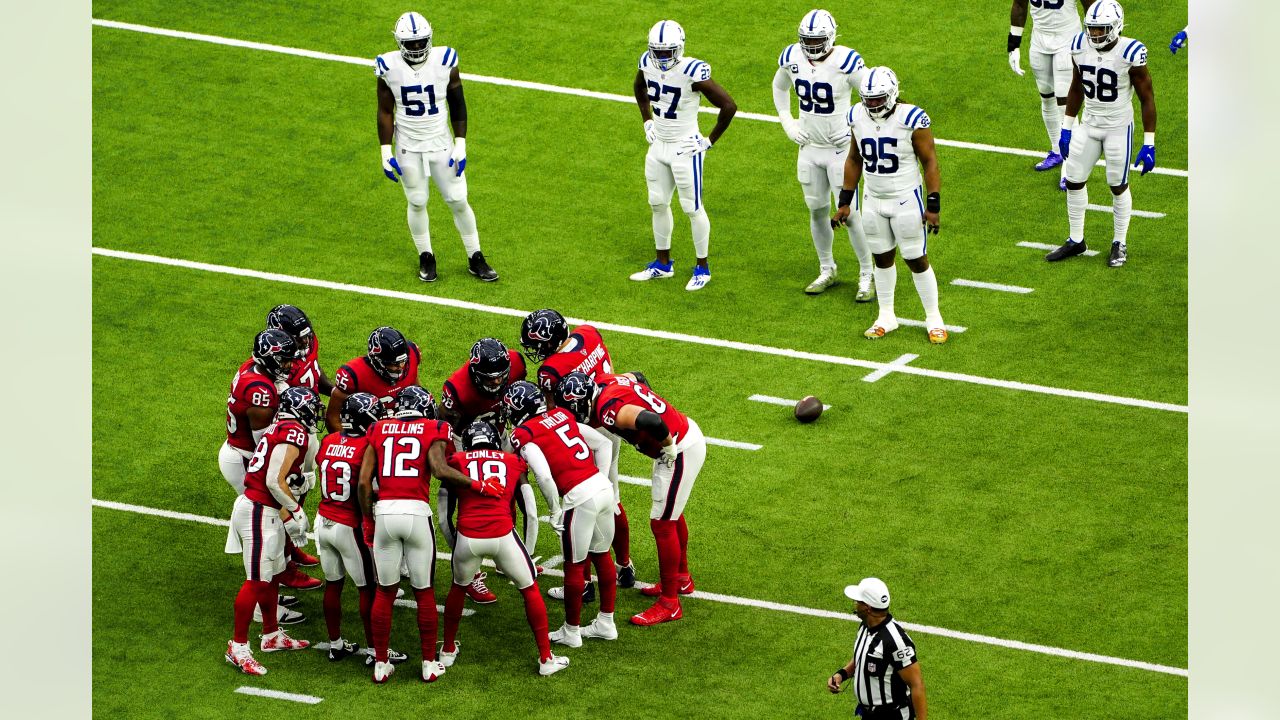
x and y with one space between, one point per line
1015 42
843 675
846 198
933 202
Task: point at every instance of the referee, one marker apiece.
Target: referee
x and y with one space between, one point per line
884 668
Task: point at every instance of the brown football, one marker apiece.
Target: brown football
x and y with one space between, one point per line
808 409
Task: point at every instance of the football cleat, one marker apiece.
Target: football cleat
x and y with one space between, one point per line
288 600
382 671
659 612
1050 161
478 267
449 658
552 665
880 329
242 657
284 615
627 575
479 592
937 335
686 588
566 635
302 557
1066 250
602 627
432 670
1119 254
654 271
295 579
278 640
701 276
588 593
825 279
342 649
1062 184
866 288
426 267
395 657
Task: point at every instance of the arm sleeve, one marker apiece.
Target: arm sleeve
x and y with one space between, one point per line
616 442
529 505
782 94
444 516
542 473
275 463
601 448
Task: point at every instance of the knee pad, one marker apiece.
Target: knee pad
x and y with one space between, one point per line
659 207
819 213
456 205
689 207
817 203
417 199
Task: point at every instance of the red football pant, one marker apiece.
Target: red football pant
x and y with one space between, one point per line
384 598
682 531
621 537
453 614
333 609
574 583
255 592
608 580
667 535
536 612
428 621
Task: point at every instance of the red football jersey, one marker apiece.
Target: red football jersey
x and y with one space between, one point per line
400 451
584 353
249 388
306 370
359 376
338 463
285 432
567 453
460 395
621 390
480 516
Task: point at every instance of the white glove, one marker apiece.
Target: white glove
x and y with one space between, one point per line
295 525
667 455
1015 61
650 134
694 145
557 521
458 158
792 128
390 167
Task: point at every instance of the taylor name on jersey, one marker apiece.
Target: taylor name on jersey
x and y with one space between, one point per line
823 90
422 118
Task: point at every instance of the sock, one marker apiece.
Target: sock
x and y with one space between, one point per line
420 228
246 599
573 587
858 239
1076 200
665 533
1052 113
367 594
927 287
381 620
621 537
682 533
453 614
333 609
701 232
663 224
608 580
268 599
428 621
886 281
586 574
465 220
535 610
1122 205
823 235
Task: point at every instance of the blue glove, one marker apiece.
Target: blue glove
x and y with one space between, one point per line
1179 41
458 157
390 167
1064 142
1146 158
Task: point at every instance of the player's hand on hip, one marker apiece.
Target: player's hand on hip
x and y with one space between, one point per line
390 167
1146 158
833 683
650 134
931 222
1179 41
841 217
1015 62
795 132
694 145
458 158
1064 142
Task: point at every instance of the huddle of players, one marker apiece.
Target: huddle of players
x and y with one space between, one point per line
389 438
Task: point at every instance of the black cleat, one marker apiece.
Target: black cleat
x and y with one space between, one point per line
394 656
1119 254
1068 249
478 267
339 652
427 267
288 600
627 576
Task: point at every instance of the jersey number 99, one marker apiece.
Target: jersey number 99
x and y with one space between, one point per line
817 98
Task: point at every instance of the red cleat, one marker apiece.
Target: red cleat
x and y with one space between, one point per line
686 588
278 640
295 579
659 612
242 658
302 557
479 592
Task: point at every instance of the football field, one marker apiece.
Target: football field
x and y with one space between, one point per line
1022 489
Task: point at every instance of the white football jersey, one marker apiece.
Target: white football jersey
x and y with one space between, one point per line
889 166
1108 94
1053 24
422 112
824 90
672 98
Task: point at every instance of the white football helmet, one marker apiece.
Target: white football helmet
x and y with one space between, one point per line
1108 16
413 35
817 33
880 88
666 44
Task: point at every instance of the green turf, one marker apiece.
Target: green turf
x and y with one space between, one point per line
1049 520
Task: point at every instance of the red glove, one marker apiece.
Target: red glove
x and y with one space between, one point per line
367 526
487 487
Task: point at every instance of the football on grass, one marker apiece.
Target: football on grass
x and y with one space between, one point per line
808 409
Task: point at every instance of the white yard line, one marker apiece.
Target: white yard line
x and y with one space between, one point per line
277 695
1047 246
781 401
632 330
525 84
761 604
992 286
1136 213
633 480
733 444
900 362
922 324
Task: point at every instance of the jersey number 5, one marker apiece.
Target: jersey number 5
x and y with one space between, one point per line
656 91
583 452
878 156
414 108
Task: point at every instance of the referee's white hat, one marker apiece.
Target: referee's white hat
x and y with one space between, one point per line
871 591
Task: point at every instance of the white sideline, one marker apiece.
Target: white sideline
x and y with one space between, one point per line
992 286
902 360
1047 246
277 695
762 604
781 401
659 334
527 85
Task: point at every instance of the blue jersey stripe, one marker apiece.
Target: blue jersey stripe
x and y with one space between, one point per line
782 58
382 64
788 53
913 115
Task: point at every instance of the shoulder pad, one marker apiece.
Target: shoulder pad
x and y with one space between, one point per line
697 70
850 116
644 61
785 57
1078 43
1135 53
852 63
916 118
380 67
449 57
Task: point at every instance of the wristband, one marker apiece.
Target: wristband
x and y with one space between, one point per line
1149 138
843 675
1068 122
933 202
846 198
1015 37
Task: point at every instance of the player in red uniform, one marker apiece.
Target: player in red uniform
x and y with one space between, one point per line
403 453
306 371
485 530
656 428
261 518
390 364
569 461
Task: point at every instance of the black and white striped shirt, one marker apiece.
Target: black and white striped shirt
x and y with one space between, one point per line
878 653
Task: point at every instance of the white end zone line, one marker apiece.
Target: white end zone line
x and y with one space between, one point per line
992 286
1047 246
734 600
900 362
277 695
527 85
645 332
781 401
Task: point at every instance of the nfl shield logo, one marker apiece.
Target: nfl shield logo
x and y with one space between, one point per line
871 667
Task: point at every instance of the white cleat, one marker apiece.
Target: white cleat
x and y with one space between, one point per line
432 670
278 640
242 657
284 615
654 271
701 276
825 279
880 329
602 627
567 635
449 658
552 665
866 288
382 671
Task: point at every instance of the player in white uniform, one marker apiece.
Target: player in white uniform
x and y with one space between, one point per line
1056 25
1109 69
822 76
892 144
418 87
668 89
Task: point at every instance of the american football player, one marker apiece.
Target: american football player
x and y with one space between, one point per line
390 364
